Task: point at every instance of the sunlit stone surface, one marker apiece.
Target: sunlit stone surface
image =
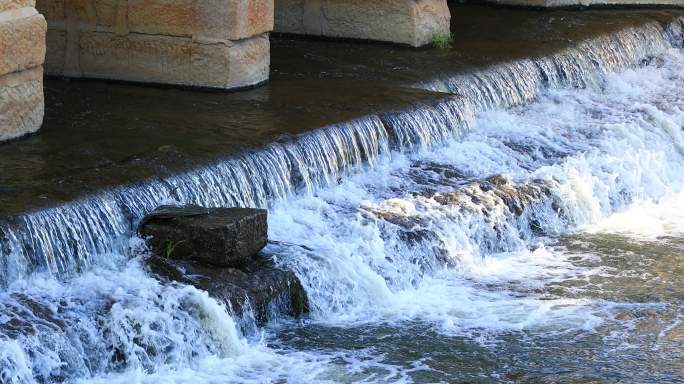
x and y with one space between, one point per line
525 223
22 51
216 44
398 21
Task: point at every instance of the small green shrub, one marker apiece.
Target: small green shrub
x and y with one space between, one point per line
442 40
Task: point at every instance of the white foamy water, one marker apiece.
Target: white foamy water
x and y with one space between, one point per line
383 246
646 219
393 243
123 326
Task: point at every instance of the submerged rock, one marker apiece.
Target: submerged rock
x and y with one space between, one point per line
491 210
225 237
257 285
495 192
23 316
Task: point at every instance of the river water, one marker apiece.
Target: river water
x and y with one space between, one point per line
456 242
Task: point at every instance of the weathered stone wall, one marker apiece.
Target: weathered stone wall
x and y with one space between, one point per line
205 43
412 22
22 51
585 3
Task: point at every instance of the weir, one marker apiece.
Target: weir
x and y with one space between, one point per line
437 207
69 237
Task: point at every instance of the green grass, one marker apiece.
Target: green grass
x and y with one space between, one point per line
170 247
442 40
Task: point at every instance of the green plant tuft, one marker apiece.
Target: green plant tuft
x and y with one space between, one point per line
442 40
170 247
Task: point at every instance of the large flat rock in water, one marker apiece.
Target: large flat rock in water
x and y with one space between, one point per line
222 237
217 250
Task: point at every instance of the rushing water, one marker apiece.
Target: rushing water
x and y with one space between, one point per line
453 241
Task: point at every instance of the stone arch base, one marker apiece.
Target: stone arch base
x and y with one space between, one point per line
22 51
204 43
410 22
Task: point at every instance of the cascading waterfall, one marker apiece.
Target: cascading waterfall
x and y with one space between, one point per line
67 237
580 66
99 225
387 241
372 245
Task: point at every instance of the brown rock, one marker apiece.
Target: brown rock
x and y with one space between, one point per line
211 43
14 4
172 60
53 10
207 20
56 53
22 52
256 285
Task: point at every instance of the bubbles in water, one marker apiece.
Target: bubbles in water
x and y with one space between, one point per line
444 218
393 242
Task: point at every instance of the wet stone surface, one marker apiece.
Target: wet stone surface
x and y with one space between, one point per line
217 250
257 285
222 237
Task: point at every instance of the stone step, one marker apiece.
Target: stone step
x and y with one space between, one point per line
160 59
217 250
410 22
258 286
21 103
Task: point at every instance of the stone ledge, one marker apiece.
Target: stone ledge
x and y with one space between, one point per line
21 103
258 286
219 237
410 22
219 44
160 59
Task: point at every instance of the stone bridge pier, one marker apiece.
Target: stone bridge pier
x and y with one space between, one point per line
202 43
22 50
408 22
221 44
